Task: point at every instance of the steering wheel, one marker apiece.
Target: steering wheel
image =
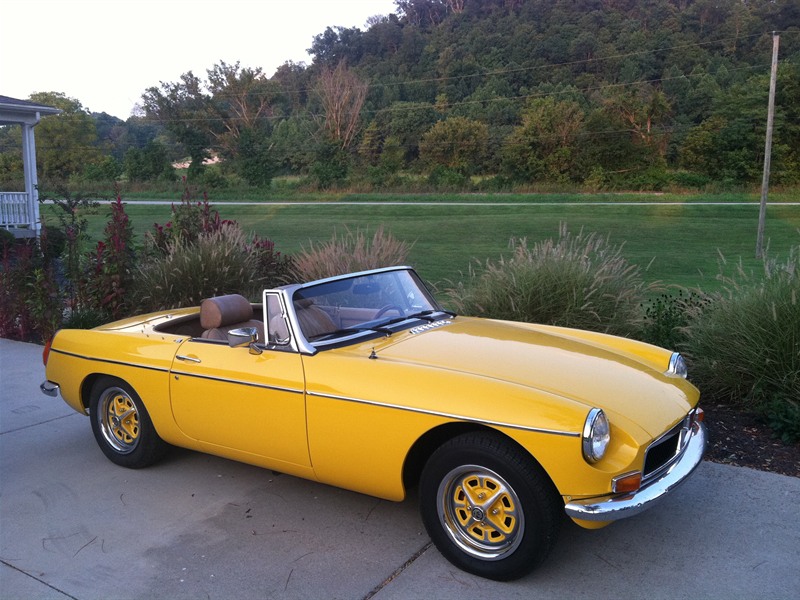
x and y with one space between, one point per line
387 308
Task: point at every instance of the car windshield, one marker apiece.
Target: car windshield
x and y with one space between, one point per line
383 301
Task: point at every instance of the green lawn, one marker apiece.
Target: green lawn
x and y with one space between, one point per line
674 244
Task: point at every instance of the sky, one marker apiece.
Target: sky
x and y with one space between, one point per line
106 53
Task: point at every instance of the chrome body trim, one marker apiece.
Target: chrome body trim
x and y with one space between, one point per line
681 433
50 388
262 386
111 362
612 508
445 415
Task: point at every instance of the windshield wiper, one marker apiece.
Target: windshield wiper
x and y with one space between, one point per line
383 326
350 330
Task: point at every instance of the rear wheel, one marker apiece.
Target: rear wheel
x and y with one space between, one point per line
488 506
122 425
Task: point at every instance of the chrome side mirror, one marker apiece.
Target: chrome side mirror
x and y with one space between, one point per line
244 336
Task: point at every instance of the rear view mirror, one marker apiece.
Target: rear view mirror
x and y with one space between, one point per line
244 336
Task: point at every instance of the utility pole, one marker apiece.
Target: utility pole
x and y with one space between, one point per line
762 213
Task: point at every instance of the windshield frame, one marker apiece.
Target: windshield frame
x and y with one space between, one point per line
419 305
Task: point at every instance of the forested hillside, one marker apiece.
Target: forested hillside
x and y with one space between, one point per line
598 93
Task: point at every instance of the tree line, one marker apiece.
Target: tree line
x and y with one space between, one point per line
599 93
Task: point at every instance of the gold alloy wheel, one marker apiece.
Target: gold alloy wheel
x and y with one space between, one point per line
480 512
118 418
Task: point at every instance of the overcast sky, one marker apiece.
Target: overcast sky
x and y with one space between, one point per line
105 53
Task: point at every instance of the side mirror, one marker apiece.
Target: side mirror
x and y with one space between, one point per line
244 336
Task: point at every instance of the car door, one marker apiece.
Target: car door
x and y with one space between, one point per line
229 398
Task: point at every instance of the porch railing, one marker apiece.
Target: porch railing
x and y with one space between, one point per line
16 210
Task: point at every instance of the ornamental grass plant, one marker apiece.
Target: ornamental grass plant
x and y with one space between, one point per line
580 281
348 253
186 273
744 344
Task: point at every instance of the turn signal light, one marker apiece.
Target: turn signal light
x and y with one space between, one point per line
46 351
630 482
699 415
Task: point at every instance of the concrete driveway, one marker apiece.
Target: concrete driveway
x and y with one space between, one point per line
73 525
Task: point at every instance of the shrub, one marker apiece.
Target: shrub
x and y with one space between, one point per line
30 301
783 417
349 253
85 318
109 271
214 264
272 267
744 345
15 320
667 316
577 281
445 178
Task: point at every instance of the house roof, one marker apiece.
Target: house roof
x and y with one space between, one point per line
13 110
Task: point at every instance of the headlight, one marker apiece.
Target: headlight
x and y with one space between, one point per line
677 366
596 435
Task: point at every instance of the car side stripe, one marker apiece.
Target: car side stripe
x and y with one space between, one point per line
239 382
445 415
111 362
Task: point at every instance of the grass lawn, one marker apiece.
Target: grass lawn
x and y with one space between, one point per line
675 244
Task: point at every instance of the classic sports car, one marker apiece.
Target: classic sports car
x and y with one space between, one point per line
364 382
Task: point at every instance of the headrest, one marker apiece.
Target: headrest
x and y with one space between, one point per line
225 310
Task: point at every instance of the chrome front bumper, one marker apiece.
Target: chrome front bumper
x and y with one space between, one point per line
49 388
612 508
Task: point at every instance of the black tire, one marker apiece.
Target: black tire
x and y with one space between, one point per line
122 425
489 508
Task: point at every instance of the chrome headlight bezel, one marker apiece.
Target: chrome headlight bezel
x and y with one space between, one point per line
596 436
677 366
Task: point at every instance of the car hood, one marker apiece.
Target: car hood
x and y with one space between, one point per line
625 378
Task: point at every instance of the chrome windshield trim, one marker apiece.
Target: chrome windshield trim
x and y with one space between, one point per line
310 348
435 413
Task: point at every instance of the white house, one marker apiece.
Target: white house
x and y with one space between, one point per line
19 211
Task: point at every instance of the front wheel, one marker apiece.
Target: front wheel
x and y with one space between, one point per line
488 506
122 425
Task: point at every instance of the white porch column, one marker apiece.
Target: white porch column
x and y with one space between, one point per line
31 180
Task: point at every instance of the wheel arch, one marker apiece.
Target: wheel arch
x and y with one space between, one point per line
86 388
427 444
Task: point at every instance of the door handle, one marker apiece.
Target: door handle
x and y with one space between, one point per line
193 359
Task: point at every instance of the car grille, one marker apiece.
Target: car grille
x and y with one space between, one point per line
666 449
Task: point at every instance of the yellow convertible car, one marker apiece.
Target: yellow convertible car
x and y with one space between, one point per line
364 382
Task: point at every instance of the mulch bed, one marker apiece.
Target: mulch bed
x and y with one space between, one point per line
741 439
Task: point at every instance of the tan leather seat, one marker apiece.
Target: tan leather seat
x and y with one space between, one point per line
313 320
220 314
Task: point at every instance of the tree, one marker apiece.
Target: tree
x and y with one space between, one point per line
65 143
642 109
242 100
255 163
149 163
183 109
456 143
290 144
342 95
545 146
406 123
423 13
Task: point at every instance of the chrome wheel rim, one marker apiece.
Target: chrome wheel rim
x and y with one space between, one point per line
118 418
480 512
